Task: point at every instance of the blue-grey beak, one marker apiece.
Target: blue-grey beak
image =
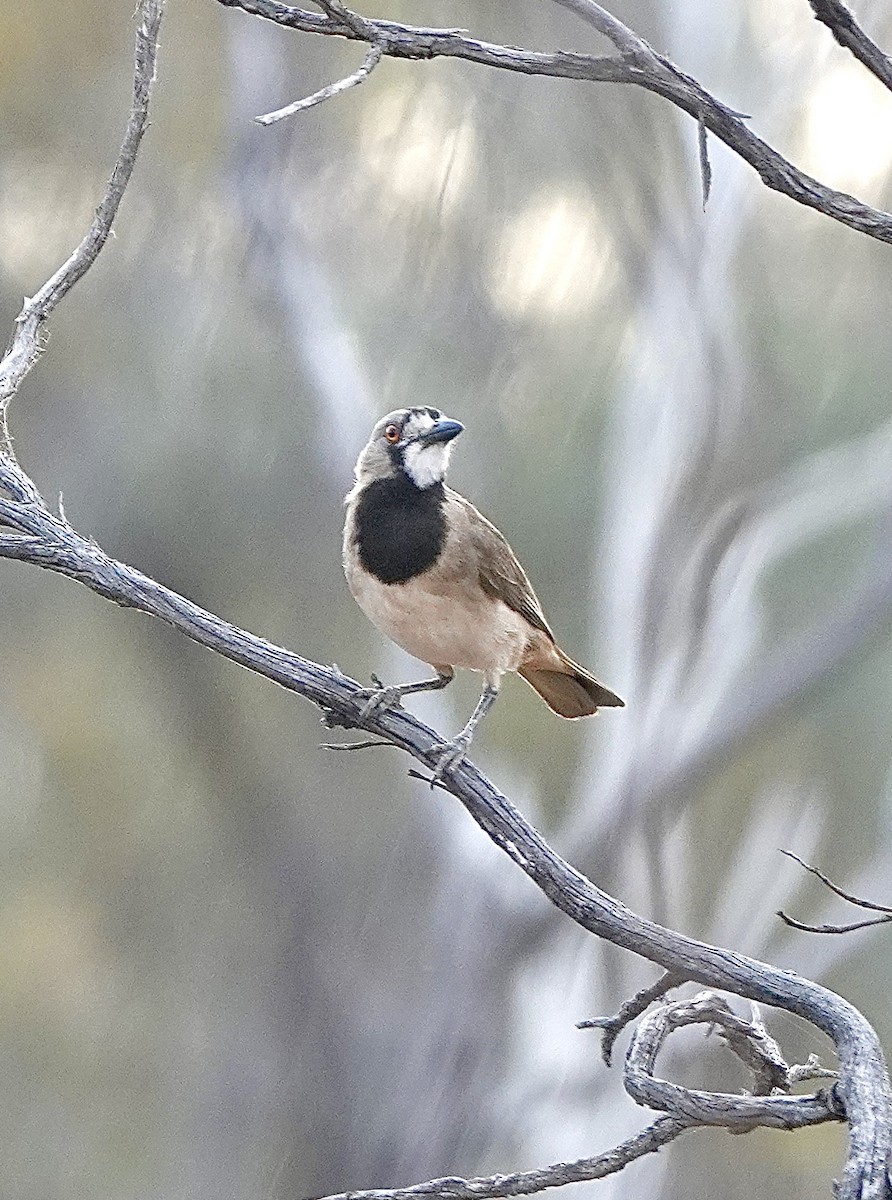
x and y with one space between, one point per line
443 430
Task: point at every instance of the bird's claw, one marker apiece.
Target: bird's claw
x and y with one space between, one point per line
378 697
453 753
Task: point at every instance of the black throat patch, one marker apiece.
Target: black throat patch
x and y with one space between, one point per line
400 529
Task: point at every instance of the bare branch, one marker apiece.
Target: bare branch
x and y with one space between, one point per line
50 542
523 1183
804 927
750 1043
885 909
613 1026
810 1069
835 888
25 347
362 73
654 72
842 24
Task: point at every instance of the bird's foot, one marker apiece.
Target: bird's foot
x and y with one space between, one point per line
378 697
452 754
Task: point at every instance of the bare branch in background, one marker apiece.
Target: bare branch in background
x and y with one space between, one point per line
638 65
333 89
803 663
268 185
25 347
734 553
884 909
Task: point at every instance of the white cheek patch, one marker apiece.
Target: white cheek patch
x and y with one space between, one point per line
418 422
426 465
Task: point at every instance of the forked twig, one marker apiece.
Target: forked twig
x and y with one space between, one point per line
686 1108
857 901
612 1027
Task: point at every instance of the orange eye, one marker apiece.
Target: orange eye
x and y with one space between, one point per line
392 434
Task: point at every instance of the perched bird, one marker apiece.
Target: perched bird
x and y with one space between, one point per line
441 581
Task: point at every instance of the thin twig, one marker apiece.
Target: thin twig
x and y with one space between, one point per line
754 1045
804 927
836 889
703 158
523 1183
25 347
852 926
372 58
430 780
366 745
810 1069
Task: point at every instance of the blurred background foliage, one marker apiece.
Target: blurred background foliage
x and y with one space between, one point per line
233 965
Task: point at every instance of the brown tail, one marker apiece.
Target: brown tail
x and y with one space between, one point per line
568 689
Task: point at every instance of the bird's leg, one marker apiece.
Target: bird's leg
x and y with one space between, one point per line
454 751
385 697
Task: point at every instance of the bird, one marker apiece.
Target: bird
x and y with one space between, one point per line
435 576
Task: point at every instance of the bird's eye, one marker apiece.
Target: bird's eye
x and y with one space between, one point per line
392 434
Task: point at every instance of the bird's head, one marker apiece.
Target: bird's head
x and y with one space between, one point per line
414 442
